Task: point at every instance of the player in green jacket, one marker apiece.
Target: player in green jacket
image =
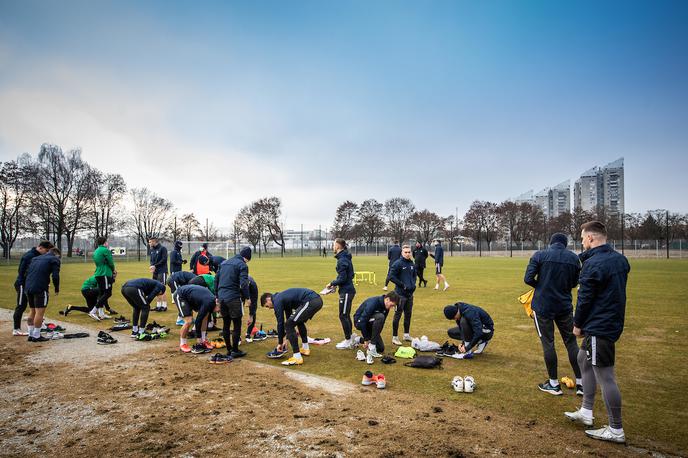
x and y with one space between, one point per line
105 275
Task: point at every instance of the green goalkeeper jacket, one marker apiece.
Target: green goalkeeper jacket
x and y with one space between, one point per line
104 263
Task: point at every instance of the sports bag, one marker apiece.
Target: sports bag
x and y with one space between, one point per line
425 362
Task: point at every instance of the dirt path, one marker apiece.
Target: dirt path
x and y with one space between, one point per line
145 398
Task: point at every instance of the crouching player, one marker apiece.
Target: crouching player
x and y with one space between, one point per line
91 292
199 299
140 292
474 327
370 320
293 307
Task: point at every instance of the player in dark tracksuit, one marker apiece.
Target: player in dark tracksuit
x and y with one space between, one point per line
474 327
393 254
252 307
403 275
370 320
158 267
38 276
176 258
215 263
139 293
202 258
200 299
347 291
20 284
439 262
105 276
175 280
420 255
293 307
231 283
553 273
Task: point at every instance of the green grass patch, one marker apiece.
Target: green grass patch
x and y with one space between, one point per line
651 355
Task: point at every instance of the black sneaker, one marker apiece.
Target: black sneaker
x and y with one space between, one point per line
198 348
220 358
238 354
66 311
451 350
121 319
38 339
579 390
112 311
105 339
444 347
548 388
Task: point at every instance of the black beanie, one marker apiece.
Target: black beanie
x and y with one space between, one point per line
450 311
246 252
559 238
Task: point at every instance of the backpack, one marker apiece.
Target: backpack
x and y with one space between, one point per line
425 362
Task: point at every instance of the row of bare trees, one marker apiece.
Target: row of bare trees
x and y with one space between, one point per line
260 223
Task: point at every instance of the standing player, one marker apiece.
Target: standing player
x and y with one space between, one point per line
293 307
347 291
20 284
37 284
370 320
192 298
439 262
176 258
139 293
231 283
105 275
553 273
599 319
200 260
158 267
420 254
393 254
403 275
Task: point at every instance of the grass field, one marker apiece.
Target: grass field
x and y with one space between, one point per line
651 355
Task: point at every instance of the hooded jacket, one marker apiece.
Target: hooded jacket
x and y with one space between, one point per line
393 254
368 309
158 258
231 280
24 266
197 296
176 258
420 255
149 287
345 273
39 272
553 273
102 257
403 275
181 278
601 305
195 266
478 319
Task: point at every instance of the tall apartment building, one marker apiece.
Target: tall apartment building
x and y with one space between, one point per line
553 201
601 187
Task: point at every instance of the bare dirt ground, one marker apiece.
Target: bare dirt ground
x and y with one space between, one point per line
146 398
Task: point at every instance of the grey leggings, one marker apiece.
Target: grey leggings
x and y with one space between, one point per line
592 375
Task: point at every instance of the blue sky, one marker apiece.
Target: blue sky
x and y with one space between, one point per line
443 102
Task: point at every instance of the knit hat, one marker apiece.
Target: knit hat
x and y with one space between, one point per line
450 311
178 244
246 252
559 238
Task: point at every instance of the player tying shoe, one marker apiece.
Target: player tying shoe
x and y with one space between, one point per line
403 275
139 293
474 327
344 281
20 284
370 320
196 298
38 276
293 307
91 292
176 280
158 267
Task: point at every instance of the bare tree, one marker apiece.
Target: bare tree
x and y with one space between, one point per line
427 225
345 220
398 212
247 224
269 210
370 223
109 190
150 214
84 191
511 218
190 226
13 202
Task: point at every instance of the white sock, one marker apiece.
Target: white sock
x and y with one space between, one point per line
437 286
182 341
579 381
395 337
446 284
297 355
93 310
587 413
101 312
203 334
305 346
31 330
372 348
616 431
164 304
135 329
554 382
36 332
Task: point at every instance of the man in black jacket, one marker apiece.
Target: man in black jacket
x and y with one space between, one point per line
599 319
139 293
231 284
370 319
176 258
393 254
553 273
474 327
158 267
20 284
403 275
420 254
347 291
38 276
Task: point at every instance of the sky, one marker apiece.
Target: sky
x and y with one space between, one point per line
215 104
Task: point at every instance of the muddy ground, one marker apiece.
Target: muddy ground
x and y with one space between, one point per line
146 398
